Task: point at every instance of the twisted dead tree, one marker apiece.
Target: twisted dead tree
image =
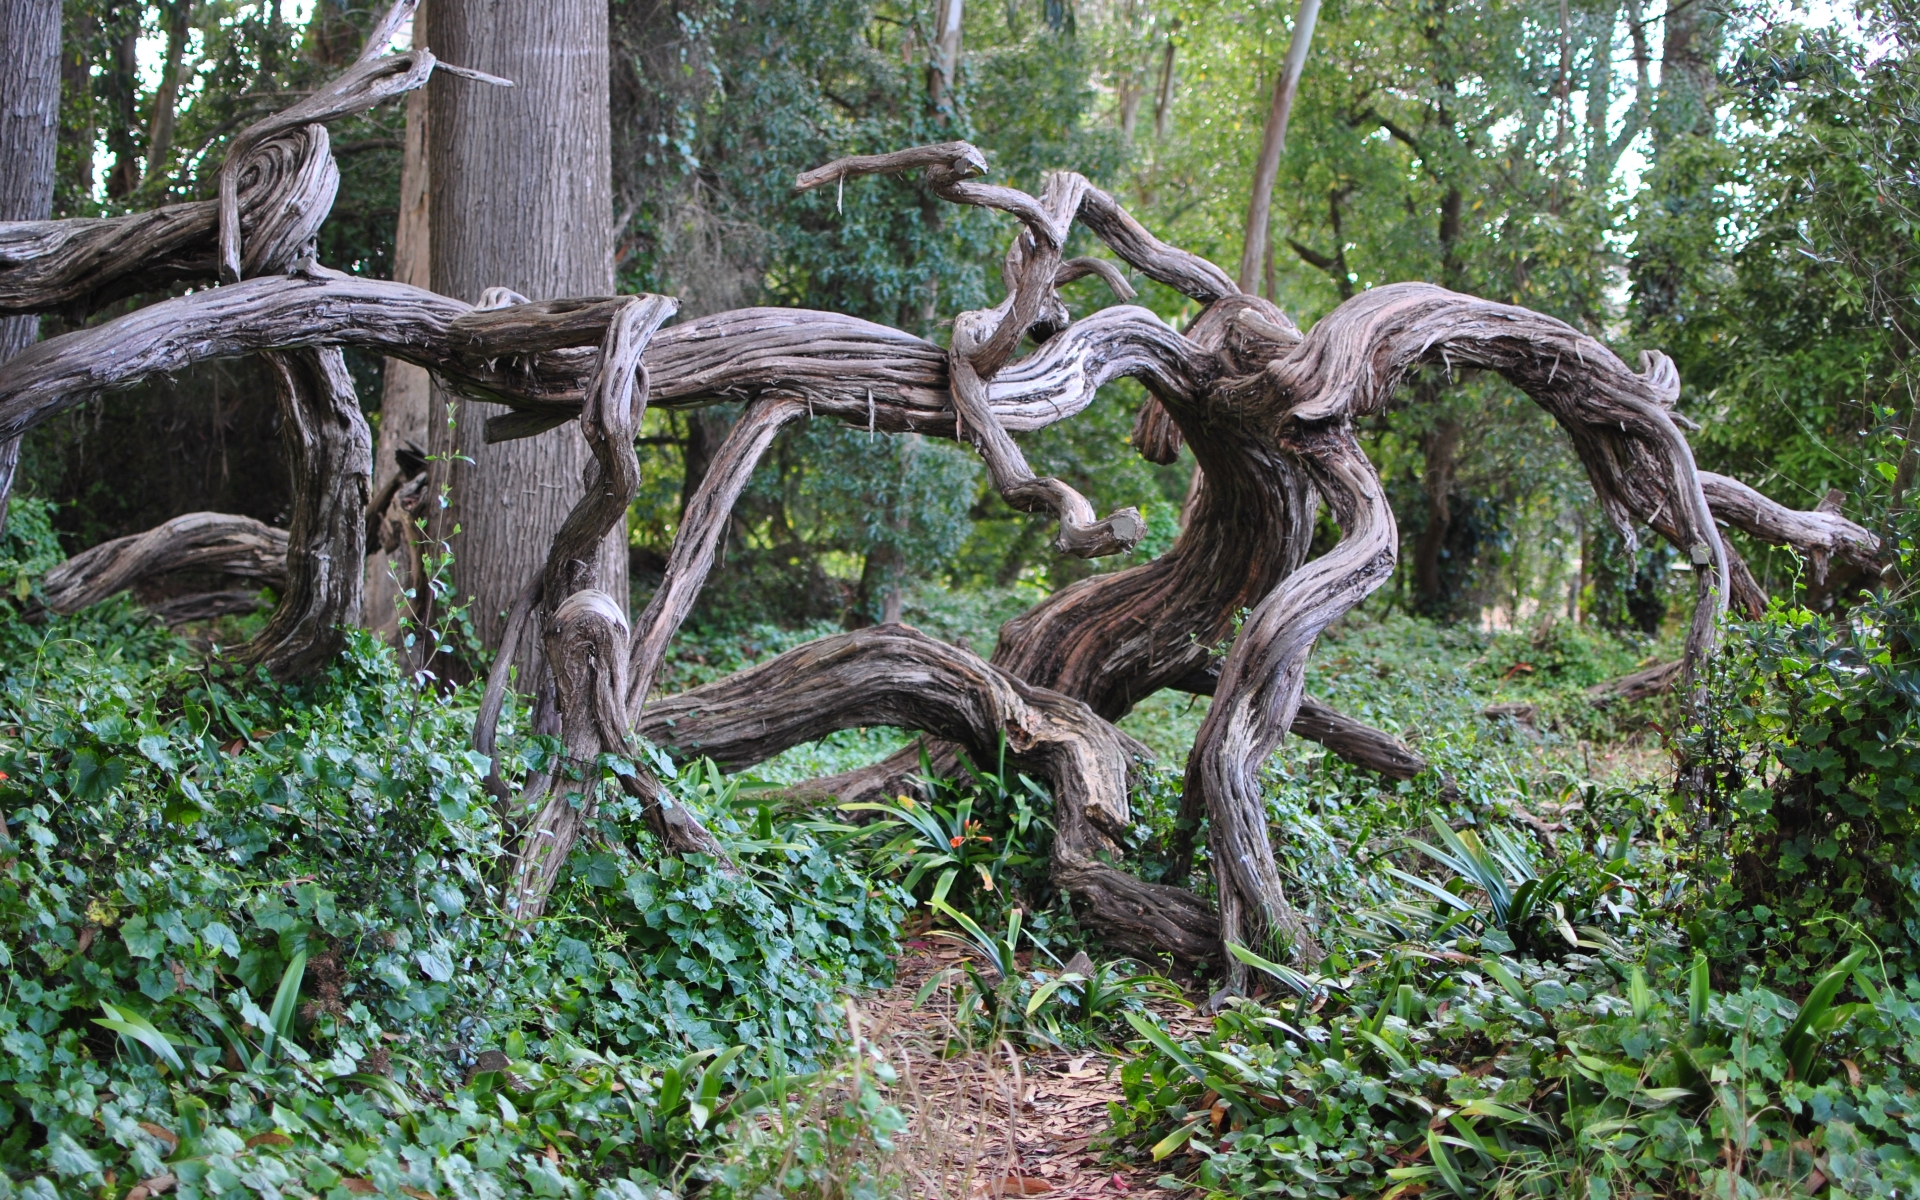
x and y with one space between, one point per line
275 190
1270 414
210 543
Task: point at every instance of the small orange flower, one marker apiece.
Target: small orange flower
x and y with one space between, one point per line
955 842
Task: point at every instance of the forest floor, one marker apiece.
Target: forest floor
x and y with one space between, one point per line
998 1120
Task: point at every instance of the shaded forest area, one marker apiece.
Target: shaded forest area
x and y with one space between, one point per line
1414 785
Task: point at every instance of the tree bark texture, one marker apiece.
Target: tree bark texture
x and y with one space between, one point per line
29 137
1269 413
585 631
406 393
521 200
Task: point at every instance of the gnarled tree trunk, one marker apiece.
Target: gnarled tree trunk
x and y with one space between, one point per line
1270 414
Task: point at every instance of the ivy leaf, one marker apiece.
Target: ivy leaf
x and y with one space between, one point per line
435 962
143 941
155 747
221 938
92 777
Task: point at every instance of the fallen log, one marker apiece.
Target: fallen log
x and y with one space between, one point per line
1651 681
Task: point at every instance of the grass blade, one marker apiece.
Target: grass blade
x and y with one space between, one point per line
1804 1035
285 1002
127 1023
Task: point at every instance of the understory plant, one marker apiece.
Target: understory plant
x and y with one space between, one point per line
1806 762
1468 1073
251 937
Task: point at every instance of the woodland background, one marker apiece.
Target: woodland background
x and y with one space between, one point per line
1727 185
252 939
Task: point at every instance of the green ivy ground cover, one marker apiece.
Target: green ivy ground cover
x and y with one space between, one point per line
179 842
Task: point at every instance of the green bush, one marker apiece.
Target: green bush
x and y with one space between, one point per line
1805 769
1476 1075
181 840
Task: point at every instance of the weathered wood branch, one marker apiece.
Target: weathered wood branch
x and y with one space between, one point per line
229 545
1270 417
586 635
277 186
1822 534
1656 680
330 453
1357 742
276 242
852 370
893 675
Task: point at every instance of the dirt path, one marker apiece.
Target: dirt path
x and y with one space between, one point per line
995 1121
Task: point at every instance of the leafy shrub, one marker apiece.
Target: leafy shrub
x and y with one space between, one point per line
180 839
1806 762
1507 1076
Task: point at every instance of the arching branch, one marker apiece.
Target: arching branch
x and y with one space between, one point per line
230 545
893 675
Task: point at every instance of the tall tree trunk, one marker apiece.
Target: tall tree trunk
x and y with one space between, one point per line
1681 189
1163 100
407 389
76 84
123 93
166 98
1440 448
521 199
946 54
29 136
1253 248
